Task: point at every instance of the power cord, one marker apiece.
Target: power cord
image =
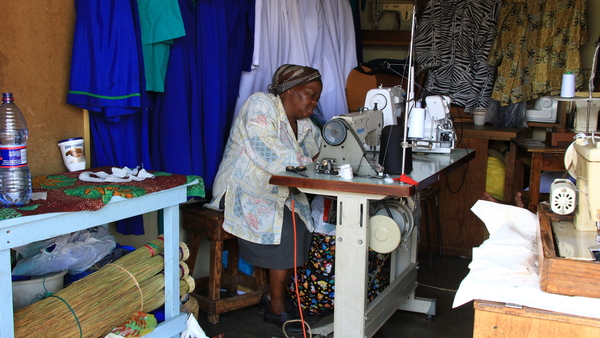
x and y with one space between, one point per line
464 178
301 320
436 287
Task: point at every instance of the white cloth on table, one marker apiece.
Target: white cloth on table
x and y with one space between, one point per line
505 267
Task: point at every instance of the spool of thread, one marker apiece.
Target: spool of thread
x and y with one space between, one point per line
416 123
568 85
391 152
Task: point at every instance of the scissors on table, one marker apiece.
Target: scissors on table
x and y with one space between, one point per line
298 170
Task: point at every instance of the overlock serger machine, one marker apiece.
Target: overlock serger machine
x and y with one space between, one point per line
431 128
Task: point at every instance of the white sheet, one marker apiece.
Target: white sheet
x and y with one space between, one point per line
315 33
504 268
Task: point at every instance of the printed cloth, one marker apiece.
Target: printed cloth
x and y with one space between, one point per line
452 42
66 193
536 42
316 279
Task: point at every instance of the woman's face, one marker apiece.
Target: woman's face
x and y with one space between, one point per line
301 101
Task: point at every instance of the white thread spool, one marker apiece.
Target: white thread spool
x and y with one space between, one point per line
568 85
416 123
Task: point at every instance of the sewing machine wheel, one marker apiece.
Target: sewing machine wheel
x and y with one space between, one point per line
334 132
546 102
378 100
385 232
571 160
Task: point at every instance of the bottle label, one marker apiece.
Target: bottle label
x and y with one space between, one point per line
13 157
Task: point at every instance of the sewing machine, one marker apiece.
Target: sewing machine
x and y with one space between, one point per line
543 109
401 9
578 239
580 120
387 99
356 232
438 130
345 137
582 160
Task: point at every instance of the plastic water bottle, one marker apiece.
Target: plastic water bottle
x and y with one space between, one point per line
15 177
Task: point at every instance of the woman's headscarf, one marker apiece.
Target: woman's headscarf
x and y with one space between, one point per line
288 76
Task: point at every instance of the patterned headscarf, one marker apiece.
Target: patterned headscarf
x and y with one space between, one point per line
288 76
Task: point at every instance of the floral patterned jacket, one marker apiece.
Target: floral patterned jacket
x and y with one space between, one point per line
262 143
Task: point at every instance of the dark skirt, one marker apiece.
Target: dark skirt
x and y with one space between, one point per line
280 257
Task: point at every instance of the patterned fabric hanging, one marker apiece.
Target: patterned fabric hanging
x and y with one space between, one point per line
452 42
536 42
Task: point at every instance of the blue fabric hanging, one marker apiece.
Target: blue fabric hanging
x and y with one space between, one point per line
184 129
105 70
107 79
190 121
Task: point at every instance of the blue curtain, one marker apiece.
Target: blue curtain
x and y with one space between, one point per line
182 130
190 121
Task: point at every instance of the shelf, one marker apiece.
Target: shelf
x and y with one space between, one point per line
386 37
545 124
23 230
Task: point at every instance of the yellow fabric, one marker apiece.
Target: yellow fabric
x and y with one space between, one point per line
494 182
536 42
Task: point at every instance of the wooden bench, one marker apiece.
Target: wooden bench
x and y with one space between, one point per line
203 222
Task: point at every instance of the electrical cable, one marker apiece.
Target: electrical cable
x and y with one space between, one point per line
591 89
436 287
464 178
304 324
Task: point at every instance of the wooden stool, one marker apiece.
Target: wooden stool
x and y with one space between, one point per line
203 222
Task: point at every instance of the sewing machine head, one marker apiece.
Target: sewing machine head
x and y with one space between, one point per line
402 11
345 137
543 109
367 125
387 99
581 122
583 163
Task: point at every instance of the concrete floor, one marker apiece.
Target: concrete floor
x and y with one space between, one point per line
440 282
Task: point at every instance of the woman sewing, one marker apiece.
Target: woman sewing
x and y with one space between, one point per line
271 131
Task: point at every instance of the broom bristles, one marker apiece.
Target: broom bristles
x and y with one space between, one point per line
105 298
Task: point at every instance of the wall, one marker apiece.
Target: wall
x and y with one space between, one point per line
35 55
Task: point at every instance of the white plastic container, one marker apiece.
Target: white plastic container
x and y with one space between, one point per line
26 291
72 153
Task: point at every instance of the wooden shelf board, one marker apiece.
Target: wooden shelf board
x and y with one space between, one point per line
387 37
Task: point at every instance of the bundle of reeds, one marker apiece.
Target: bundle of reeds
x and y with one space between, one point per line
90 307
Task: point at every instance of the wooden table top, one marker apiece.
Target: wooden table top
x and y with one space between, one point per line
537 146
427 169
468 130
